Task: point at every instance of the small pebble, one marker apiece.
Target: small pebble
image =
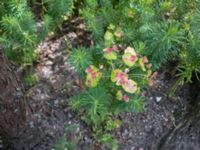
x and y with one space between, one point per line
78 130
48 63
158 99
133 148
56 102
31 124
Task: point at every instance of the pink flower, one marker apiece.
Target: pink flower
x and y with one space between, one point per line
119 77
114 47
133 58
93 76
126 70
130 86
110 53
108 50
89 69
92 72
129 57
126 98
145 59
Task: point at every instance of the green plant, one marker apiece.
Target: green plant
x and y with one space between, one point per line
31 80
164 40
68 141
21 32
160 25
158 30
80 59
112 88
189 66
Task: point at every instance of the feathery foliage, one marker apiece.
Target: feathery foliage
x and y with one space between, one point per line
80 59
189 66
95 102
21 32
159 24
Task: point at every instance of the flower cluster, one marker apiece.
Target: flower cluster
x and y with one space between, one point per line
120 96
110 53
93 76
120 77
129 57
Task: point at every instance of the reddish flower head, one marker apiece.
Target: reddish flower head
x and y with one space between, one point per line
110 53
93 76
129 57
126 98
119 77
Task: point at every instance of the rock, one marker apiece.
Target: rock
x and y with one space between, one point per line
69 115
45 71
78 130
48 63
87 140
72 35
81 26
31 124
130 134
125 132
133 148
158 99
56 102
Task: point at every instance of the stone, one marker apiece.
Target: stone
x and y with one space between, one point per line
158 99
